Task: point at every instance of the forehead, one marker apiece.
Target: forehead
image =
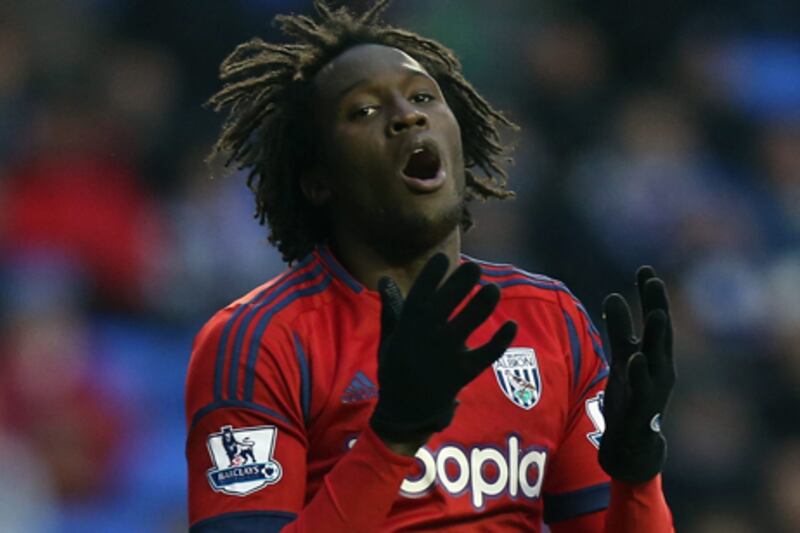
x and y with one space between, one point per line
364 63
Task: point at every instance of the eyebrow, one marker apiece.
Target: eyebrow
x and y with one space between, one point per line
410 73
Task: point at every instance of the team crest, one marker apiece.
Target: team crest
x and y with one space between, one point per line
517 373
243 460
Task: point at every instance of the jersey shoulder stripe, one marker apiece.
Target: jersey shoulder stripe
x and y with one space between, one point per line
338 271
305 378
575 348
507 275
317 286
509 272
235 342
283 290
242 306
507 269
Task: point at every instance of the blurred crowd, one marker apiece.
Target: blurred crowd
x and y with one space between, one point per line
663 134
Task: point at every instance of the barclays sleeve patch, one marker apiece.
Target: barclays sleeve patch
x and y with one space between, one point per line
243 461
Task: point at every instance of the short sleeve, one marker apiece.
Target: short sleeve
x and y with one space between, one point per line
575 483
243 459
246 455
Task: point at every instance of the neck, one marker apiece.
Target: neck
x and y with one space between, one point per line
369 265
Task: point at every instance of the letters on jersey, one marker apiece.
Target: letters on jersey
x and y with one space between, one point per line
455 469
517 373
243 460
482 472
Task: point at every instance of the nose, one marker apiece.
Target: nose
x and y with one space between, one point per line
407 118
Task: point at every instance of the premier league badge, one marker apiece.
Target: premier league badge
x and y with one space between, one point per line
517 373
243 460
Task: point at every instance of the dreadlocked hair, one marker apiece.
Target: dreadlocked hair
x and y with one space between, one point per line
268 89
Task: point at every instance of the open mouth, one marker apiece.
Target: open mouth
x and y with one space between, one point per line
423 164
423 171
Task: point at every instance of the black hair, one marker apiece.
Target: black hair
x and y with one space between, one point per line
267 92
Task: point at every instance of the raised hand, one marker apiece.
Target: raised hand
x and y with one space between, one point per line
642 376
423 360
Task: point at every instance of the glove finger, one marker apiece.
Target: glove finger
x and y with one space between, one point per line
619 326
640 386
655 297
474 313
614 399
455 289
477 360
391 305
427 281
654 341
643 274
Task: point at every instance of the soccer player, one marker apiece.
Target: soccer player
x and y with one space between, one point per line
384 382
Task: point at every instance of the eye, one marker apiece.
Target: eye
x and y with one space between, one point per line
421 98
364 112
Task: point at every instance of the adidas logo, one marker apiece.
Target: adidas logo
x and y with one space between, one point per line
360 388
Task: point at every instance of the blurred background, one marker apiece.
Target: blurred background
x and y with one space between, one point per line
662 133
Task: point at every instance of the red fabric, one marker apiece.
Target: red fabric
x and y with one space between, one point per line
575 465
639 507
358 493
297 357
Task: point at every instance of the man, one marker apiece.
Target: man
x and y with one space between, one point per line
452 408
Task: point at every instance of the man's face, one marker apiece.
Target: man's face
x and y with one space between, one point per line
392 164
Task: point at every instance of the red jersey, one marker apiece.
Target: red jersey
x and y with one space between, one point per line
282 383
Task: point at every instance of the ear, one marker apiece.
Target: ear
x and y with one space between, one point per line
315 187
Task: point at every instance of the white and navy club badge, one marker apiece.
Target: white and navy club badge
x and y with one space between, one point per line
517 373
243 460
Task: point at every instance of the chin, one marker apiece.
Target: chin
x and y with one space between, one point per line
406 236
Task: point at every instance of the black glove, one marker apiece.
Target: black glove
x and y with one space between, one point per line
642 375
423 361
